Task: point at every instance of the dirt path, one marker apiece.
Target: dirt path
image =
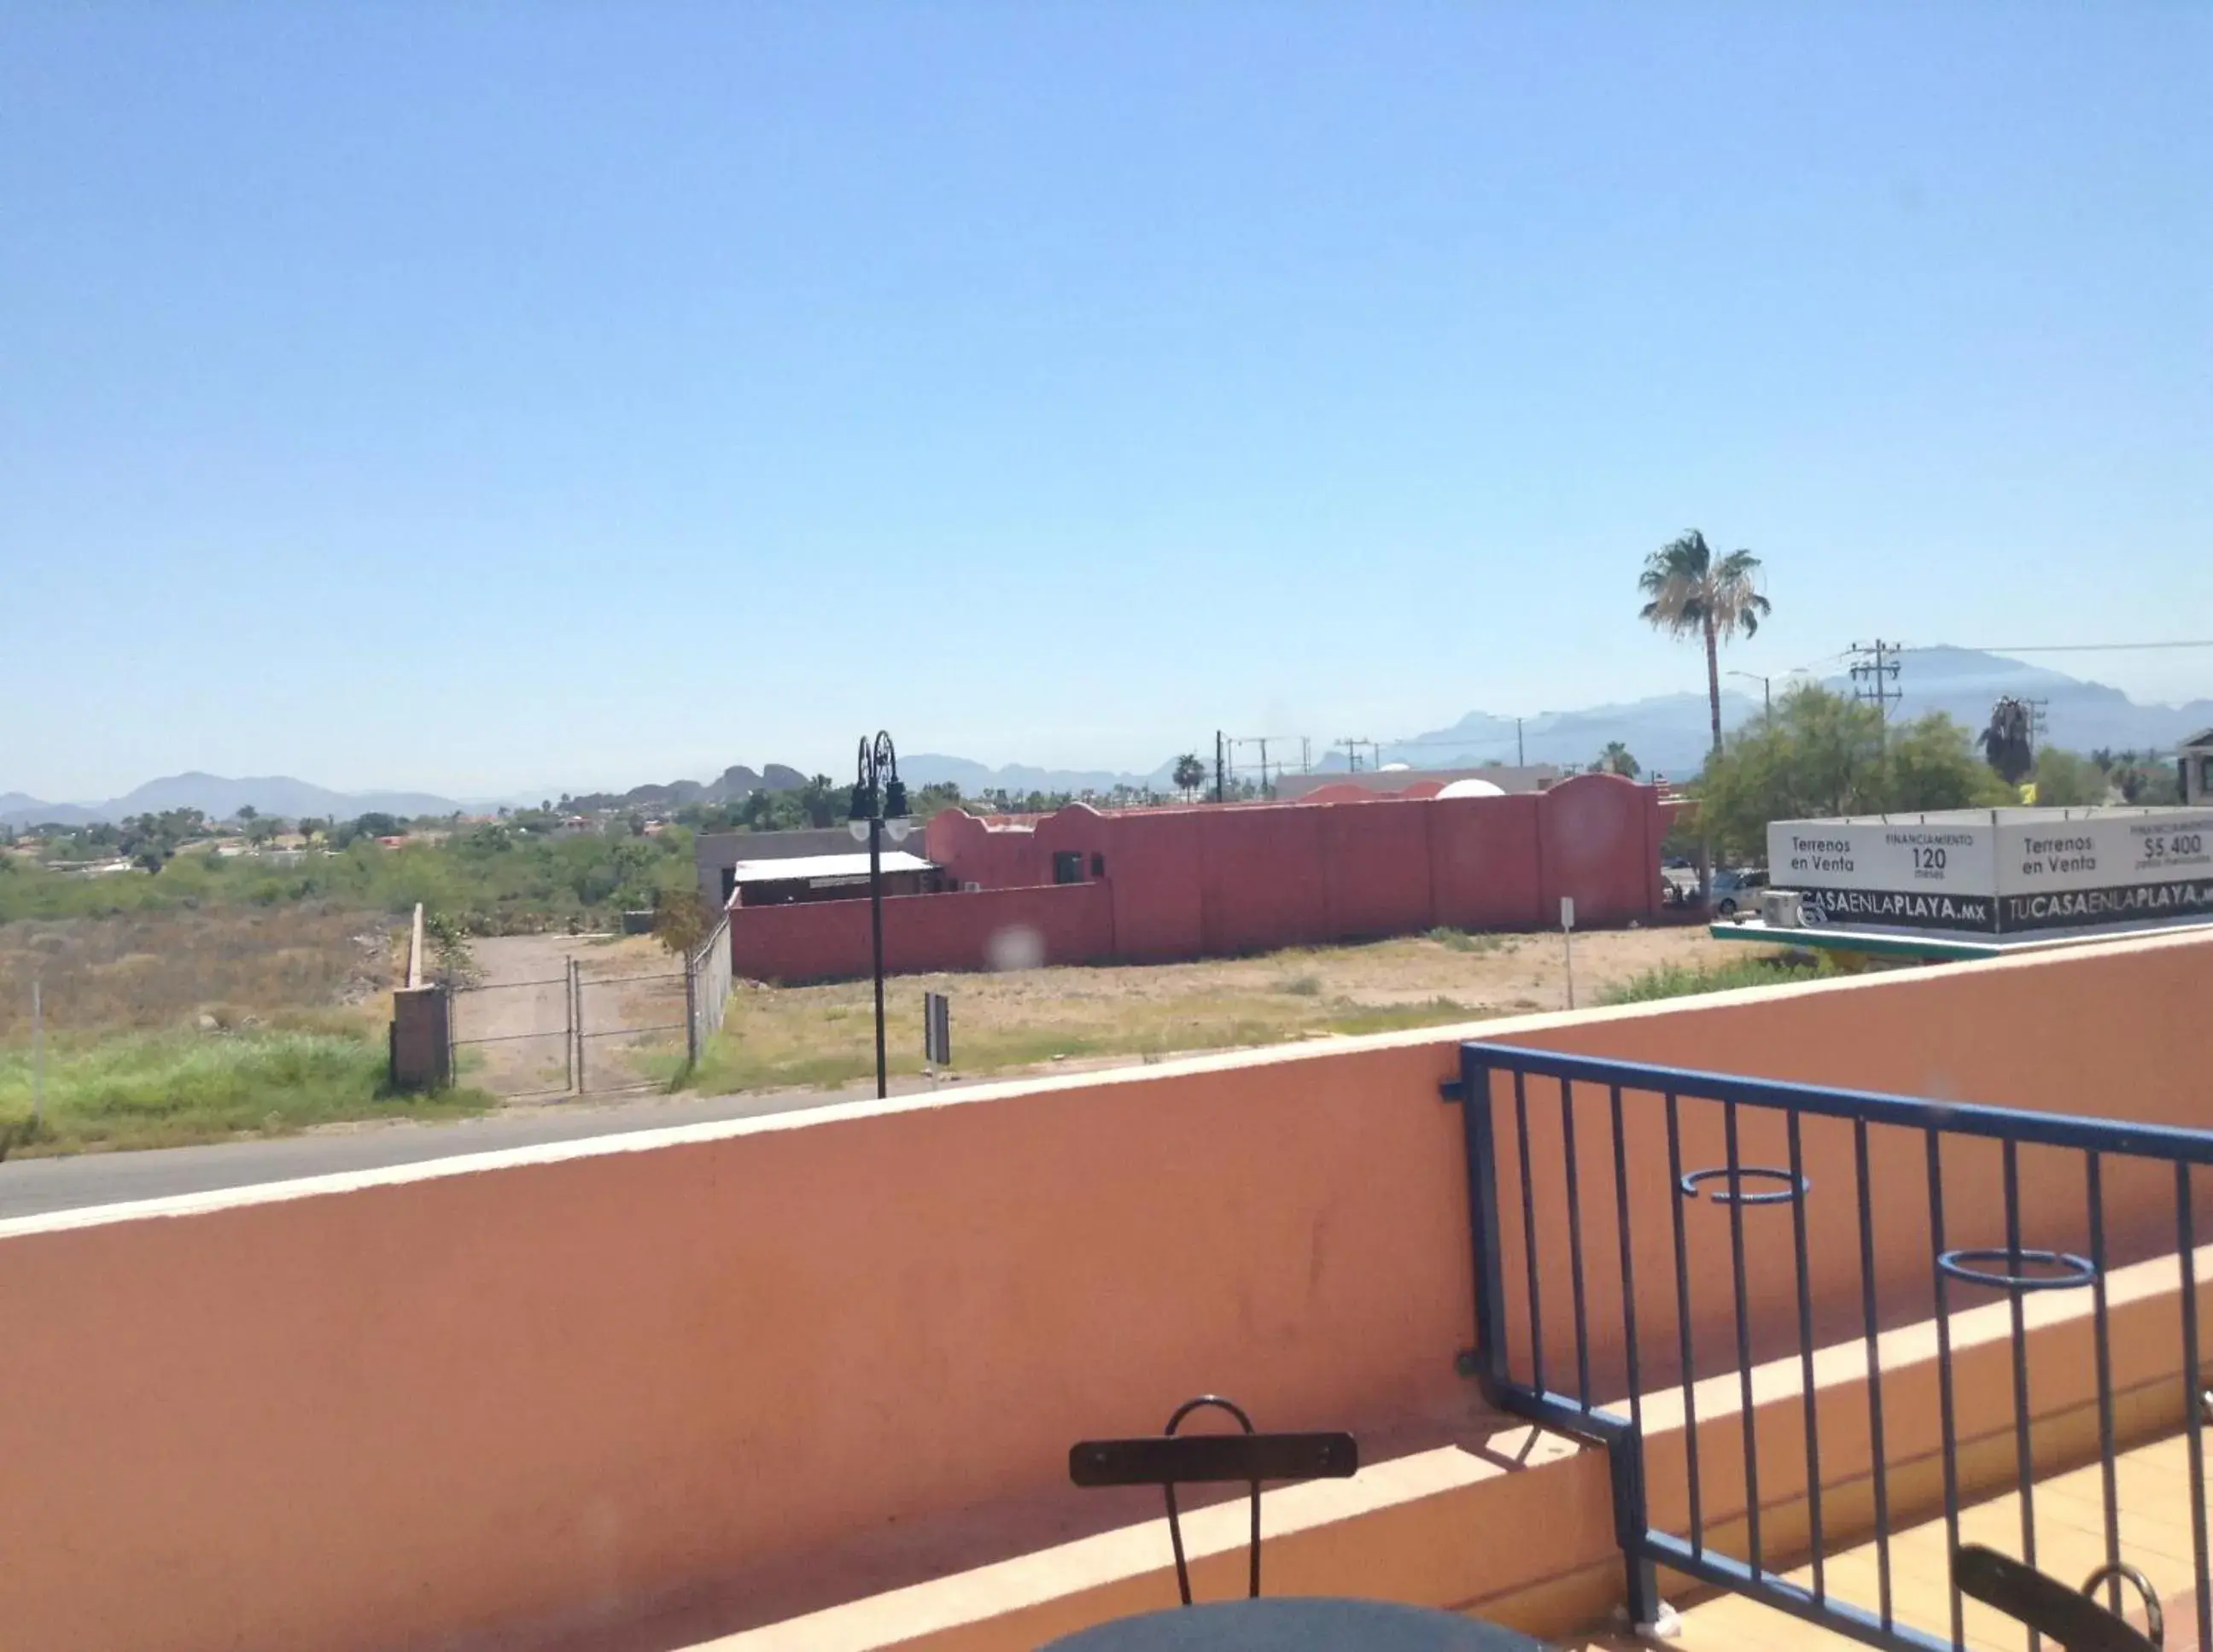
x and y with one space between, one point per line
514 1030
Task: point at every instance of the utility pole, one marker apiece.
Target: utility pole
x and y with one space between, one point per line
1766 693
1221 770
1231 742
1875 676
1306 755
1520 757
1352 752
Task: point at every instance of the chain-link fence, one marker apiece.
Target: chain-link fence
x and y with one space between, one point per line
707 987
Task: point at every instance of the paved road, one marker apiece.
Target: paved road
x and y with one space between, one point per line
34 1187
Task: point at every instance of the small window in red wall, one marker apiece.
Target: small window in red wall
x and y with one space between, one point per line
1098 866
1068 866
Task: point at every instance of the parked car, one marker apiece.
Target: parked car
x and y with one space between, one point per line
1735 887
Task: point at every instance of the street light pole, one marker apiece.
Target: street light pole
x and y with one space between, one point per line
1766 693
876 935
878 793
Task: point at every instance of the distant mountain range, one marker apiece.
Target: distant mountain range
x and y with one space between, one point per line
932 769
219 798
1668 733
733 782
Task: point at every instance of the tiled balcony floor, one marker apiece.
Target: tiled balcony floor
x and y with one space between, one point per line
2154 1487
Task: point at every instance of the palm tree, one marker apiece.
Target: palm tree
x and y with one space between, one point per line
1189 774
1691 595
1617 758
2010 743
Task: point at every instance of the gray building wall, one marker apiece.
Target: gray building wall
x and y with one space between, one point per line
715 853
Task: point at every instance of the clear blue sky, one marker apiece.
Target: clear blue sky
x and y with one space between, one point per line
496 396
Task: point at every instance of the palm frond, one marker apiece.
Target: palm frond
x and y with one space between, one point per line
1678 578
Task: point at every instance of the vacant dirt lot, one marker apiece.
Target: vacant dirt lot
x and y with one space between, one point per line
820 1035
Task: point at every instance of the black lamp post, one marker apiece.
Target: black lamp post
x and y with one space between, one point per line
878 796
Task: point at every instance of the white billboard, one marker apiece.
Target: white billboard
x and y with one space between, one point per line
2006 871
2105 870
1917 874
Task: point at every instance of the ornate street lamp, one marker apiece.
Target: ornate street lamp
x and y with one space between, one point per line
879 804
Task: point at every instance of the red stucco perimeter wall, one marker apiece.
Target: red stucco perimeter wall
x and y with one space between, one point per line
1200 882
829 940
549 1392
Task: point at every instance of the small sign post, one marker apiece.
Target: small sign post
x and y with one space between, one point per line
1568 942
38 1054
937 1030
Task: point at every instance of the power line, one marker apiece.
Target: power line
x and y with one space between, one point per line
2064 648
1875 674
1229 743
1809 667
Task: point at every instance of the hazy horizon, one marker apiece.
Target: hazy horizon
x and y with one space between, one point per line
1739 700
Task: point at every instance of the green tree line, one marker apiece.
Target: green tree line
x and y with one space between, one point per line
487 879
1825 754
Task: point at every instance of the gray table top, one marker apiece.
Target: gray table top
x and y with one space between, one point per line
1292 1623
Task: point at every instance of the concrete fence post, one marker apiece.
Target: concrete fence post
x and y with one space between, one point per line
421 1037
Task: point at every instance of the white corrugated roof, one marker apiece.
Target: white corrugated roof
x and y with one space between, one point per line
809 866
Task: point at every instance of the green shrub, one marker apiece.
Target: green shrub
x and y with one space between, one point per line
1681 981
1461 941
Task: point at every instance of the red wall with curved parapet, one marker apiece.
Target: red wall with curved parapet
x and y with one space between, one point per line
1601 845
997 857
1159 885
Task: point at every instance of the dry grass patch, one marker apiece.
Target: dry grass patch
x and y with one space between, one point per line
820 1036
181 1025
145 972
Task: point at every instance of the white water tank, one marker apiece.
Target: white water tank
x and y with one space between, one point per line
1472 788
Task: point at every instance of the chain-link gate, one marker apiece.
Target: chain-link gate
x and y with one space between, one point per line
521 1034
579 1033
623 1025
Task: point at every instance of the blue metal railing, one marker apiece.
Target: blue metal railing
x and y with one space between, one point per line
1535 1192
